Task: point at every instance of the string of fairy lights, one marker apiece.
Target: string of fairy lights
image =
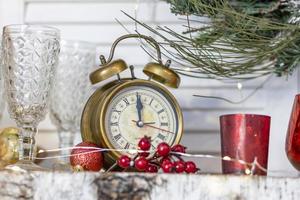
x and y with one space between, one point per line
249 167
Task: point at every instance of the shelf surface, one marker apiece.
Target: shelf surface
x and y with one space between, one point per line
137 186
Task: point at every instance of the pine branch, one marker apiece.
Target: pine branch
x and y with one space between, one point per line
244 39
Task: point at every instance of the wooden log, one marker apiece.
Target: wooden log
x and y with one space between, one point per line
140 186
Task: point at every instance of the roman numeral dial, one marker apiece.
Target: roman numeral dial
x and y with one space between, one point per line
138 111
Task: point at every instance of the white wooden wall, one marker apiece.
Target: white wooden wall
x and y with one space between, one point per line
94 21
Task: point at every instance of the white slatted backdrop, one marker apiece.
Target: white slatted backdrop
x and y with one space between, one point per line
94 21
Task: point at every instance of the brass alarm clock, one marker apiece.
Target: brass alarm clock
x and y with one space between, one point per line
121 112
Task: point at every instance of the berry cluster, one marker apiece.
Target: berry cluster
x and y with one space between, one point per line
164 158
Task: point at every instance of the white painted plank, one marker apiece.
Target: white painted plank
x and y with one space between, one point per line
85 1
85 12
96 11
106 33
133 55
188 101
209 120
197 143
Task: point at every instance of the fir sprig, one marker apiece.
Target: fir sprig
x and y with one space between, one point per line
244 39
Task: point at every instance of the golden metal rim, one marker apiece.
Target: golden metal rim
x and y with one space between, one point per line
101 111
162 74
108 70
86 127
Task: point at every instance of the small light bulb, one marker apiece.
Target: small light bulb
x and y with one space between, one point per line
41 151
226 158
247 171
131 163
239 85
136 7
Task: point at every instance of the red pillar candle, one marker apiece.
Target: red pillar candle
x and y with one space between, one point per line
292 146
244 137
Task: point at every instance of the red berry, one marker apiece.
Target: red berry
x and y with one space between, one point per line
163 149
167 167
124 161
87 158
141 163
178 148
145 143
179 166
165 159
151 169
190 167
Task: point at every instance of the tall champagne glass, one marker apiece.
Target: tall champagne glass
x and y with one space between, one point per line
71 90
30 54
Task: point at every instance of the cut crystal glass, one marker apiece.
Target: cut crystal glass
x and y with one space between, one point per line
30 54
71 90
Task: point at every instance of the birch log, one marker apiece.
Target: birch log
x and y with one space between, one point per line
140 186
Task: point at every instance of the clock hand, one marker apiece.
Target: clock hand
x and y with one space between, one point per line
139 107
148 123
155 127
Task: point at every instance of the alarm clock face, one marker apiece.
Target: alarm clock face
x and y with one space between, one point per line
139 111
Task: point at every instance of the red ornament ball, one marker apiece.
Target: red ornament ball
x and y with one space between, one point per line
141 163
178 148
163 149
190 167
92 161
124 161
145 143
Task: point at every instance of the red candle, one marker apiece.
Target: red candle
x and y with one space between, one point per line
292 146
244 137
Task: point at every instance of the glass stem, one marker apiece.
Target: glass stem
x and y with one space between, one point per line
66 139
27 143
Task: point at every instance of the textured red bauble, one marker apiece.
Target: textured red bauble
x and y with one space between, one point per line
190 167
124 161
144 143
179 166
163 149
151 169
141 163
92 161
178 148
167 167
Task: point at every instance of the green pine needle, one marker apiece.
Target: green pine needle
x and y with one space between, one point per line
244 39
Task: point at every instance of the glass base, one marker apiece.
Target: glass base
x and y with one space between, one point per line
24 166
61 165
